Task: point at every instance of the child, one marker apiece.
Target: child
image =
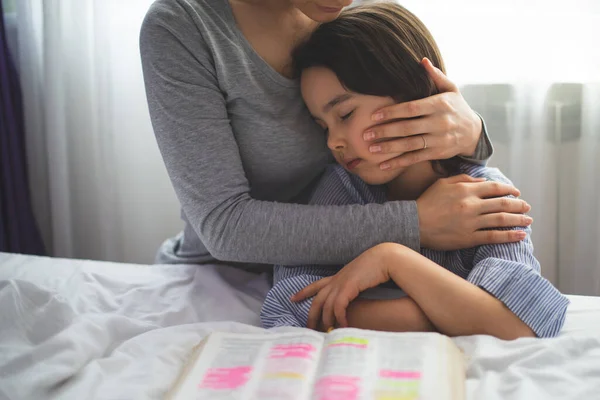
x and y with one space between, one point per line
373 56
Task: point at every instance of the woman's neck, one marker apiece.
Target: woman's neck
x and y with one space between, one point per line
270 5
271 14
273 28
411 183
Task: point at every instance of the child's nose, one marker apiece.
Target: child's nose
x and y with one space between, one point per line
335 141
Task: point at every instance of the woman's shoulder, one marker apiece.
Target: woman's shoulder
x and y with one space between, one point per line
193 19
337 186
165 10
189 36
481 171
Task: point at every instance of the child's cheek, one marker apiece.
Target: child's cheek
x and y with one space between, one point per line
358 126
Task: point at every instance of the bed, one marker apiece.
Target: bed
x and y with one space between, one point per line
72 329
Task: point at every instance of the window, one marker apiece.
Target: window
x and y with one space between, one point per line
9 6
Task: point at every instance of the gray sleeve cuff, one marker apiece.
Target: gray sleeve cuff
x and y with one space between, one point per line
484 149
412 230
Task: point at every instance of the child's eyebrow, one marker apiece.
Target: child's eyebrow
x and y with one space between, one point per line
335 101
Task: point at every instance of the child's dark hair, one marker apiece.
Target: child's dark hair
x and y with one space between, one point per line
376 49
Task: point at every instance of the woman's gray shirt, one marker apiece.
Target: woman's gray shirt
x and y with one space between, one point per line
243 152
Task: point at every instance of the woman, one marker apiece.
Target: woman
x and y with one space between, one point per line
243 152
368 58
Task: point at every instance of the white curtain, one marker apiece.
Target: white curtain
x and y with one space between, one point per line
99 186
532 69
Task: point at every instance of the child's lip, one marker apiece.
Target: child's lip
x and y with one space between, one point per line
353 163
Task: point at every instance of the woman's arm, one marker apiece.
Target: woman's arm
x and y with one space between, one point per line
200 151
194 134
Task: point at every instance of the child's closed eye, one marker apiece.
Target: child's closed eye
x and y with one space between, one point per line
346 116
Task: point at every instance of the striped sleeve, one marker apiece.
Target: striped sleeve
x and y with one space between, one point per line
335 187
279 310
339 187
511 273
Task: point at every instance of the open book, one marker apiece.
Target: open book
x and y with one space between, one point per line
344 364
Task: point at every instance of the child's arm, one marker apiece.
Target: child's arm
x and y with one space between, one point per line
394 315
455 306
511 274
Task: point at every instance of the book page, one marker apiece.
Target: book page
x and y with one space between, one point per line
359 364
262 366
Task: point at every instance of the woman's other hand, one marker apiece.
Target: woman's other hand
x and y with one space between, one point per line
334 293
462 212
434 128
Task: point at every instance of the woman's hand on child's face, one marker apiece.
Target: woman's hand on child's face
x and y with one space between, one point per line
334 293
440 126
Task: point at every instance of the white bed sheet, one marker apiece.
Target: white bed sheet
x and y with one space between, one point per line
73 329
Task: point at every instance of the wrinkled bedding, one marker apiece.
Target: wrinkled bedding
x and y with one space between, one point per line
72 329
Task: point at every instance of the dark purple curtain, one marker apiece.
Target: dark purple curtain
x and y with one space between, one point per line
18 230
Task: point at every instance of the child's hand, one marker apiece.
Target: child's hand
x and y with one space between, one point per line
334 293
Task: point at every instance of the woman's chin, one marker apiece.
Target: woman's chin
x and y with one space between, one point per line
321 16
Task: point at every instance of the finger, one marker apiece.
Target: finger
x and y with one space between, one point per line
314 314
401 146
327 314
497 237
340 307
322 328
442 83
402 128
489 189
503 220
409 159
408 109
310 290
504 204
